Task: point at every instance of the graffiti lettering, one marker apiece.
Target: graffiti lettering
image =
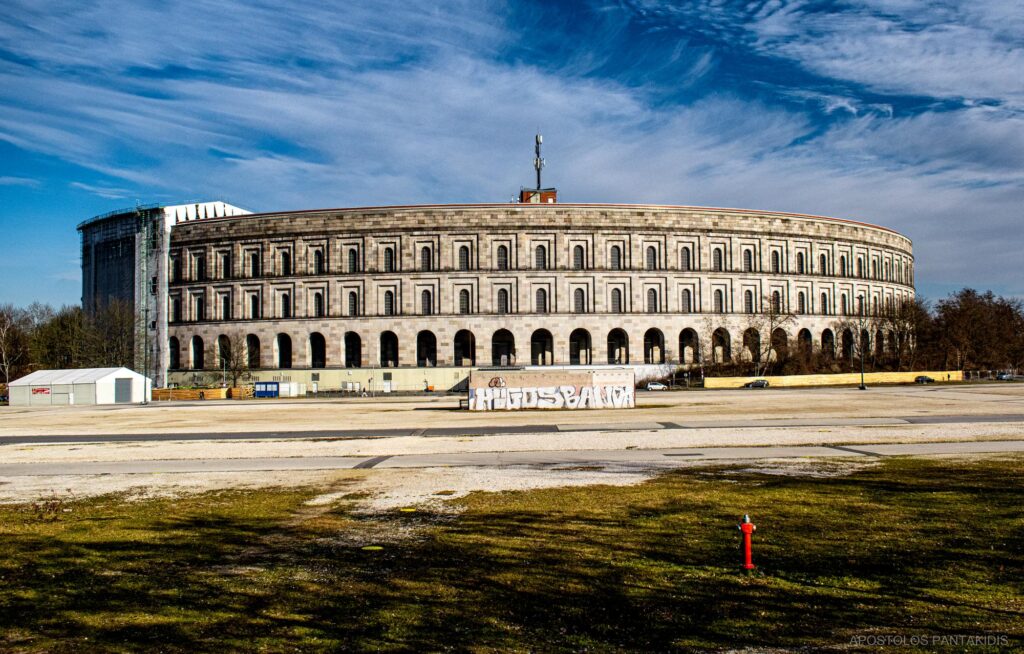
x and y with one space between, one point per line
498 398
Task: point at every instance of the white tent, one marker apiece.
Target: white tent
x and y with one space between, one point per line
80 386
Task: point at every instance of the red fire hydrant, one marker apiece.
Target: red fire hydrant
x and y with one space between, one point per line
747 528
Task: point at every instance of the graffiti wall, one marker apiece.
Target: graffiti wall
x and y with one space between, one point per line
529 389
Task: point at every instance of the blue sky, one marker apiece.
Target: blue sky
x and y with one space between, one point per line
908 114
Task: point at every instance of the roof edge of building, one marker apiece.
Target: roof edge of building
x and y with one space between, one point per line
560 205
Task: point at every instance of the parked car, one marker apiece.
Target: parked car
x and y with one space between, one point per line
757 383
656 386
1004 376
923 379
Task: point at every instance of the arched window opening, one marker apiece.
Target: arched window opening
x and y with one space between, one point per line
823 265
254 264
842 266
776 262
542 301
174 353
426 349
824 304
198 353
686 303
464 301
800 265
389 303
353 303
689 347
716 260
318 305
748 302
426 303
286 262
284 351
254 306
685 263
801 303
618 347
200 307
616 300
464 257
503 348
652 258
502 257
654 346
776 302
353 260
580 348
579 301
616 258
748 261
225 307
719 302
502 301
578 258
465 348
388 350
652 301
721 346
540 258
318 262
317 351
252 351
542 348
353 350
286 305
426 259
389 260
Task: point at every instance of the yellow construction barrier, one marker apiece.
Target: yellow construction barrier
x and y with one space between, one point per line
163 394
840 379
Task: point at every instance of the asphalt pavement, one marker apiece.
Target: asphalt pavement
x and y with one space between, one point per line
645 458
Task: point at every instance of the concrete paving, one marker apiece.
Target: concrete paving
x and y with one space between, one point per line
347 434
631 458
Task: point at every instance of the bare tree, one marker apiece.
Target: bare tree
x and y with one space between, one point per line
13 341
236 360
110 337
772 316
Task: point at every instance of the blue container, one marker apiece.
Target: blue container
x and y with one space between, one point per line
267 389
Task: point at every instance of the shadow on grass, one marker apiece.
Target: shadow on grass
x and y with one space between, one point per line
908 547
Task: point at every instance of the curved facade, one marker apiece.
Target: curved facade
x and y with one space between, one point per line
503 284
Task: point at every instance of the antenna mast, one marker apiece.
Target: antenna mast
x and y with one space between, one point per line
538 161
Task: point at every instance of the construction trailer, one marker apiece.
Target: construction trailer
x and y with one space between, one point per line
82 386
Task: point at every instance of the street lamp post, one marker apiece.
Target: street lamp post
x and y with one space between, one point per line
860 336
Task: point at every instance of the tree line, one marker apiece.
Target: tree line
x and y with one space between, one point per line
968 330
40 337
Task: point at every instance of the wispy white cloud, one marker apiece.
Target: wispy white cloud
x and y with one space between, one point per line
7 180
102 191
392 103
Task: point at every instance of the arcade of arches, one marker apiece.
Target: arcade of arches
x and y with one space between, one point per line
580 346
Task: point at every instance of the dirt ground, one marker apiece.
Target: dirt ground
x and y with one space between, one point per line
692 408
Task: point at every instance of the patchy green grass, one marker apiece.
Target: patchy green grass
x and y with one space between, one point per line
910 549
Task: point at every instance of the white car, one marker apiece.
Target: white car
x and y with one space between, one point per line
656 386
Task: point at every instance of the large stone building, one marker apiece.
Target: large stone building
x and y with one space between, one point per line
411 296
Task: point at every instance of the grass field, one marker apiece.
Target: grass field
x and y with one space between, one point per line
911 550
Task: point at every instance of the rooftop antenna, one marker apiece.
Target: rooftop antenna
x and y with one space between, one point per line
538 161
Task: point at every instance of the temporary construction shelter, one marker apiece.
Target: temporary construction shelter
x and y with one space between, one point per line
81 386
